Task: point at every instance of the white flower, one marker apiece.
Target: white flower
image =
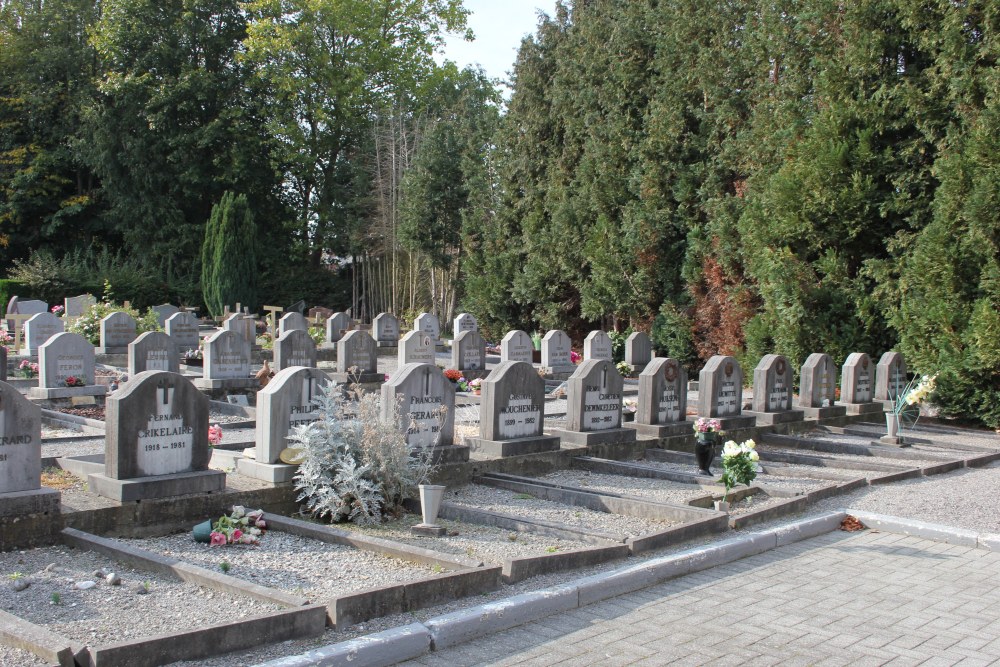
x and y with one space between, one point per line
754 456
238 511
730 449
750 444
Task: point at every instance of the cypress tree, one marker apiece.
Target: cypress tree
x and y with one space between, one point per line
229 256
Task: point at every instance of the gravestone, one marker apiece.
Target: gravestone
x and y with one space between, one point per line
153 351
557 353
817 388
516 346
337 325
297 307
468 354
295 347
385 330
662 408
39 329
427 406
597 346
772 392
512 412
66 355
286 402
157 440
429 324
21 489
357 359
76 306
416 347
638 351
3 363
857 385
292 321
163 312
117 331
594 405
890 378
183 329
318 314
243 326
465 322
720 393
226 363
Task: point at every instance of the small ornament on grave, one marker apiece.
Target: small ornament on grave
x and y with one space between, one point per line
292 456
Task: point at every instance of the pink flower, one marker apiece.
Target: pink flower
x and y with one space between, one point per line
260 524
574 356
237 534
218 539
214 434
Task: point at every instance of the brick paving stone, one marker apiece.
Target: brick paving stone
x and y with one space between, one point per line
858 599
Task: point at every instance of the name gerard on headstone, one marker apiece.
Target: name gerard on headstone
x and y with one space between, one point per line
427 404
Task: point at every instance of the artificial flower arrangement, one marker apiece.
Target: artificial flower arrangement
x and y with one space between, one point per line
238 527
739 464
74 381
623 369
214 435
28 369
194 354
456 377
57 311
575 357
476 384
707 425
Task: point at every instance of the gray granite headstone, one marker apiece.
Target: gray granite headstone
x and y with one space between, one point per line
385 329
163 312
512 412
516 346
597 346
416 347
292 322
772 384
153 351
594 397
857 382
117 331
662 393
427 404
286 401
39 329
556 349
818 381
295 347
243 326
64 355
32 307
357 353
227 357
638 350
183 329
157 424
890 376
465 322
337 325
76 306
429 324
720 388
20 442
468 352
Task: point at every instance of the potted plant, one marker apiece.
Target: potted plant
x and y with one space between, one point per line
739 466
707 433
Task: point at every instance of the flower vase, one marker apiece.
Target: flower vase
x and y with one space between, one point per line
430 504
704 452
722 506
892 424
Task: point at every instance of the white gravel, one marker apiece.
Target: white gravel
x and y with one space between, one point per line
660 490
298 565
522 504
76 448
472 541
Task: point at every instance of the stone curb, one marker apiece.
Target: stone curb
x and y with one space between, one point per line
928 531
392 646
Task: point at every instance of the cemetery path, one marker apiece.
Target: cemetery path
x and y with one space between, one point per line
839 599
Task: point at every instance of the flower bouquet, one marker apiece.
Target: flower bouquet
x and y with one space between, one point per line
238 527
476 385
707 432
739 464
28 369
214 435
74 381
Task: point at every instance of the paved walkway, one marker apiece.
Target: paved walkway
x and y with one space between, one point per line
867 598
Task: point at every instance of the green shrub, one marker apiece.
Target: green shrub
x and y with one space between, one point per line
89 324
9 288
229 256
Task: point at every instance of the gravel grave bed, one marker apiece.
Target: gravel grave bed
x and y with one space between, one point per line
899 463
298 565
776 480
224 418
107 613
489 544
940 434
819 472
75 448
757 501
49 433
660 490
522 504
935 453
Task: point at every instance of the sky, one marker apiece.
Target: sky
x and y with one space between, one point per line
499 26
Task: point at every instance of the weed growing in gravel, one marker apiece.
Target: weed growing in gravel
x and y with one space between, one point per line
523 496
551 550
224 566
436 569
55 598
512 537
145 586
14 576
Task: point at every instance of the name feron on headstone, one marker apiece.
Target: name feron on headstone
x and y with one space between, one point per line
64 355
295 347
427 404
516 346
183 329
597 346
153 351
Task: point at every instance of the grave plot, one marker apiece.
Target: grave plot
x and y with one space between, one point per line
925 433
659 490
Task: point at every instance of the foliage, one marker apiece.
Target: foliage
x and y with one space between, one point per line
88 325
357 465
229 256
618 339
9 288
739 464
